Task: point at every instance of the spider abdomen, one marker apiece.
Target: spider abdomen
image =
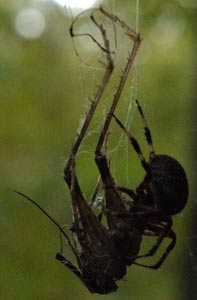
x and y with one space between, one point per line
168 184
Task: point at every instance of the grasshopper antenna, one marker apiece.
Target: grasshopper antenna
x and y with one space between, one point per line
49 217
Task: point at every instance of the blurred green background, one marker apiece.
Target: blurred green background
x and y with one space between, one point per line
44 87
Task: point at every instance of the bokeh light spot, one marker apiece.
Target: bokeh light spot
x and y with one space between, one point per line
84 4
30 23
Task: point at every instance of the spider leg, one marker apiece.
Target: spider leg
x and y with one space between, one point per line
127 191
145 211
134 143
147 131
170 247
162 231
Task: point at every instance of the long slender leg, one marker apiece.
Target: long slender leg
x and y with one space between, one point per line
134 143
147 131
145 211
161 230
170 247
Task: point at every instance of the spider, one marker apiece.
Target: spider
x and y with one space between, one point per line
162 194
100 264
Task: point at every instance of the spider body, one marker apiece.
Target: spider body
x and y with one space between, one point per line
165 187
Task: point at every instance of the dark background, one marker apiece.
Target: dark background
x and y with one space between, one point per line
43 94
